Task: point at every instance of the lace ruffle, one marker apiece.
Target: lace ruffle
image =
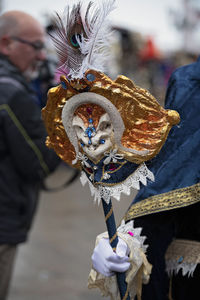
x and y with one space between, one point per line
133 181
172 266
182 255
128 229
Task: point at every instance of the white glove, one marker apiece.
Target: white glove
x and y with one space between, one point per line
106 261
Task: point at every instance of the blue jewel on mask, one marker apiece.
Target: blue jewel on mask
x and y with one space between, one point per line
90 77
82 144
180 260
102 141
63 84
90 131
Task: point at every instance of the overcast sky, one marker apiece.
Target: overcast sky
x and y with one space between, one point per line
150 17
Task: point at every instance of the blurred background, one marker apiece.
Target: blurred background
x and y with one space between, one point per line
150 40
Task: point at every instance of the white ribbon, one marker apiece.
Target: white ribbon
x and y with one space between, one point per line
83 159
112 156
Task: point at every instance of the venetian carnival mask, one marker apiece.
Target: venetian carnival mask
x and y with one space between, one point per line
108 131
94 140
107 128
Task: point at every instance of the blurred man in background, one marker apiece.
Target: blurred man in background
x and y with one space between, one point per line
25 160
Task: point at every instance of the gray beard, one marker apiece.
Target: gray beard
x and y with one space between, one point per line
30 75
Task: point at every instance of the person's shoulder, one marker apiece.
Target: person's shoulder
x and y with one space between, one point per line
11 80
11 89
11 85
186 72
181 84
16 97
14 89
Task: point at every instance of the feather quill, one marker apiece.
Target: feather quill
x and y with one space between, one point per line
82 37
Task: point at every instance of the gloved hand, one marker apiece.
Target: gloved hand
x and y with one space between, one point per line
106 261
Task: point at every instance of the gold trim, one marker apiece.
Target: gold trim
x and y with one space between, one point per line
166 201
85 170
126 295
109 214
113 238
116 183
121 164
188 250
170 289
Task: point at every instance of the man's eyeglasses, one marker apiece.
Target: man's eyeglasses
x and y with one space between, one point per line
37 45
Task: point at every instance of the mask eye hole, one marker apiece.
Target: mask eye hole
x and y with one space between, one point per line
102 141
105 126
82 144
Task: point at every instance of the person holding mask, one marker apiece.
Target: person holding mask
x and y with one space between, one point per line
25 159
167 210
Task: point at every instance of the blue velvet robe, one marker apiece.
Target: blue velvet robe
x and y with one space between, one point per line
169 207
177 166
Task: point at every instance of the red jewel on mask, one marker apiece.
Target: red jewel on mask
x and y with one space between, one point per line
89 110
89 170
112 167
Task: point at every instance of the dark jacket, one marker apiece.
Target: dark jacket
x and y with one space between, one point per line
24 158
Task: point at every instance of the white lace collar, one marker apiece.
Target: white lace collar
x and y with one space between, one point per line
133 181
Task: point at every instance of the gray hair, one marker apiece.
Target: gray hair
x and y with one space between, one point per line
8 25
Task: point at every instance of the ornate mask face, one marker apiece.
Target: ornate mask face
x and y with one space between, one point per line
94 140
123 117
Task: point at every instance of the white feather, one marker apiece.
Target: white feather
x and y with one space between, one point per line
96 46
94 40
